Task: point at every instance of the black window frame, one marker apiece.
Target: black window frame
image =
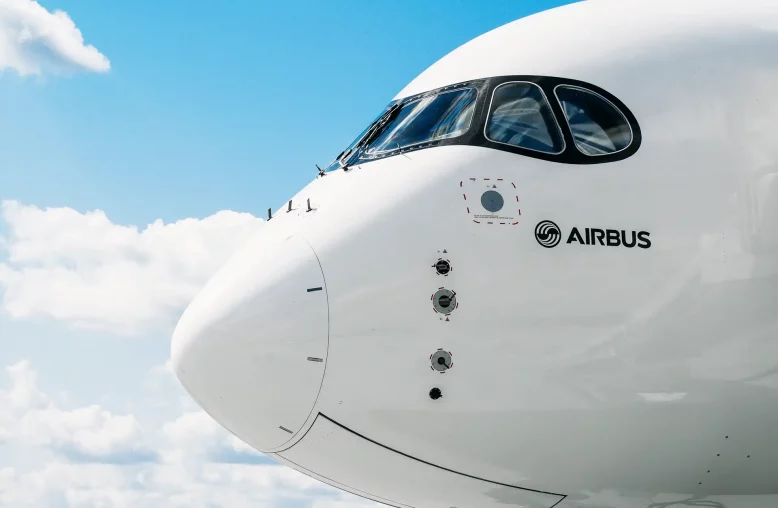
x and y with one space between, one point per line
475 135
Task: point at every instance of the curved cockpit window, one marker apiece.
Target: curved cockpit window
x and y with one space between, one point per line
597 126
549 118
430 118
362 134
335 164
413 123
521 116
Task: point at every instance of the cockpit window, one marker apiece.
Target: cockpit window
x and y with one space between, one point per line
442 116
521 116
598 127
543 117
335 164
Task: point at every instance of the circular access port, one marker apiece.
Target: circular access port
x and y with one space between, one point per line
435 394
492 201
444 301
443 267
441 360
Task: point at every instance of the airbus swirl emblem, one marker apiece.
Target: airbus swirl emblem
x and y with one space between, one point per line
547 234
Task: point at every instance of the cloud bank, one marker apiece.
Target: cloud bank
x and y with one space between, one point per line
83 269
34 40
88 434
93 458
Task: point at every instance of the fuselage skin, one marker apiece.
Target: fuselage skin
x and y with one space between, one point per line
587 374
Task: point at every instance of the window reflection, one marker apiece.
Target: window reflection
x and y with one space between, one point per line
432 118
598 127
520 116
335 164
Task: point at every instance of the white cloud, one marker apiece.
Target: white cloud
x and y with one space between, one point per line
80 268
167 486
34 40
84 269
188 470
24 393
88 433
193 431
30 417
204 439
165 369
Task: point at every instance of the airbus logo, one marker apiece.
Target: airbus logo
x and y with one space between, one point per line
549 235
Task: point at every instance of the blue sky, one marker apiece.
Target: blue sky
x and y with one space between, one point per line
194 118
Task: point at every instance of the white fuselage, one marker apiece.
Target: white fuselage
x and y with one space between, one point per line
585 374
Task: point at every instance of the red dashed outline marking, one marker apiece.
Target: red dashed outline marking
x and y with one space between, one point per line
450 269
432 298
450 354
490 222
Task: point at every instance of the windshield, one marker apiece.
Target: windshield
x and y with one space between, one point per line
345 153
431 118
508 113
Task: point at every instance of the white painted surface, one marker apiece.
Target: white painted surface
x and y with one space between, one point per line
616 377
246 367
330 451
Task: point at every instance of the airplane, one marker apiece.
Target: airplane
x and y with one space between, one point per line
545 276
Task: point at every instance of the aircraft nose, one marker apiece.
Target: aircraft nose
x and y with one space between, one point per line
252 346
